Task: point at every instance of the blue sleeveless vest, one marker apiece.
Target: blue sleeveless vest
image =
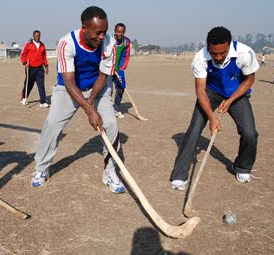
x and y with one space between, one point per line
86 66
227 80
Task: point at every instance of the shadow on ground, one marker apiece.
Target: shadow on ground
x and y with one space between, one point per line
271 82
94 145
203 145
147 241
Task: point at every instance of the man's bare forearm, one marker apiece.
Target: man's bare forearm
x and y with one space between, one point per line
244 87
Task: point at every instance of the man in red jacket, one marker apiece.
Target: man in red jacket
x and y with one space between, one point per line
34 58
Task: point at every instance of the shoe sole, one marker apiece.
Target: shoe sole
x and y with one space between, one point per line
177 188
242 181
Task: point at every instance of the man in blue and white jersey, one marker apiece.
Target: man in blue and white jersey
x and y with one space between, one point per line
224 72
86 61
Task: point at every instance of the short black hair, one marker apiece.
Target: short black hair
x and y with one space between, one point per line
92 12
120 25
36 31
218 35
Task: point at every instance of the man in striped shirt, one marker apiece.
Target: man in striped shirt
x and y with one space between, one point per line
123 47
85 64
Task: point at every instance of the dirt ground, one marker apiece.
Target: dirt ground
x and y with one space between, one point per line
74 213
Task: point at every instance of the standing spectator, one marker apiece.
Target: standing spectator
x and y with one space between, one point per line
263 60
34 58
123 45
224 72
85 64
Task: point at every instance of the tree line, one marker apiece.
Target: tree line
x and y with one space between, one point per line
256 42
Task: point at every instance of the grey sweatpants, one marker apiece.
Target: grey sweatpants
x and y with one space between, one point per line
61 111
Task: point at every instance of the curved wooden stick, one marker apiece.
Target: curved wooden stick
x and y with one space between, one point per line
131 100
134 106
13 210
188 212
172 231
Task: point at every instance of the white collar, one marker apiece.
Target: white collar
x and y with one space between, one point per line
231 54
36 43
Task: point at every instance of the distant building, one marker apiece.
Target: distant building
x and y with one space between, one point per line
3 50
10 52
149 49
15 51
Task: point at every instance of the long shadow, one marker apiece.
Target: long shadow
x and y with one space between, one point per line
271 82
22 158
125 107
146 241
27 129
202 145
36 102
94 145
9 157
20 128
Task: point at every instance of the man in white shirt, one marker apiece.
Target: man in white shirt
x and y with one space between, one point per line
85 63
224 72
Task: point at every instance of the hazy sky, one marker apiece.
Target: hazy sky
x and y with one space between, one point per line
165 23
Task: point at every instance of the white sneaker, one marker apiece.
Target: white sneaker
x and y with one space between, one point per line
44 105
243 177
114 183
39 178
24 101
178 184
119 115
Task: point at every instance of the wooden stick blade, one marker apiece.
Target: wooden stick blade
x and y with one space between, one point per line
13 210
134 106
172 231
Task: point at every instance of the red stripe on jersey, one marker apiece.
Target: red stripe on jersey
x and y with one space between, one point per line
61 57
82 42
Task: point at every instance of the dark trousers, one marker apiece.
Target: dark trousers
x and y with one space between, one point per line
36 74
118 96
242 114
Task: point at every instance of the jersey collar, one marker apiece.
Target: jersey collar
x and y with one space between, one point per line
81 42
231 54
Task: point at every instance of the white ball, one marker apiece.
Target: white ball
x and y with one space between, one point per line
229 218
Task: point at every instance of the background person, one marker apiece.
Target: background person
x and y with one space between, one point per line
34 58
123 45
85 60
263 60
224 71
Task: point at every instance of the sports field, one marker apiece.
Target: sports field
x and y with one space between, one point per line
74 213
